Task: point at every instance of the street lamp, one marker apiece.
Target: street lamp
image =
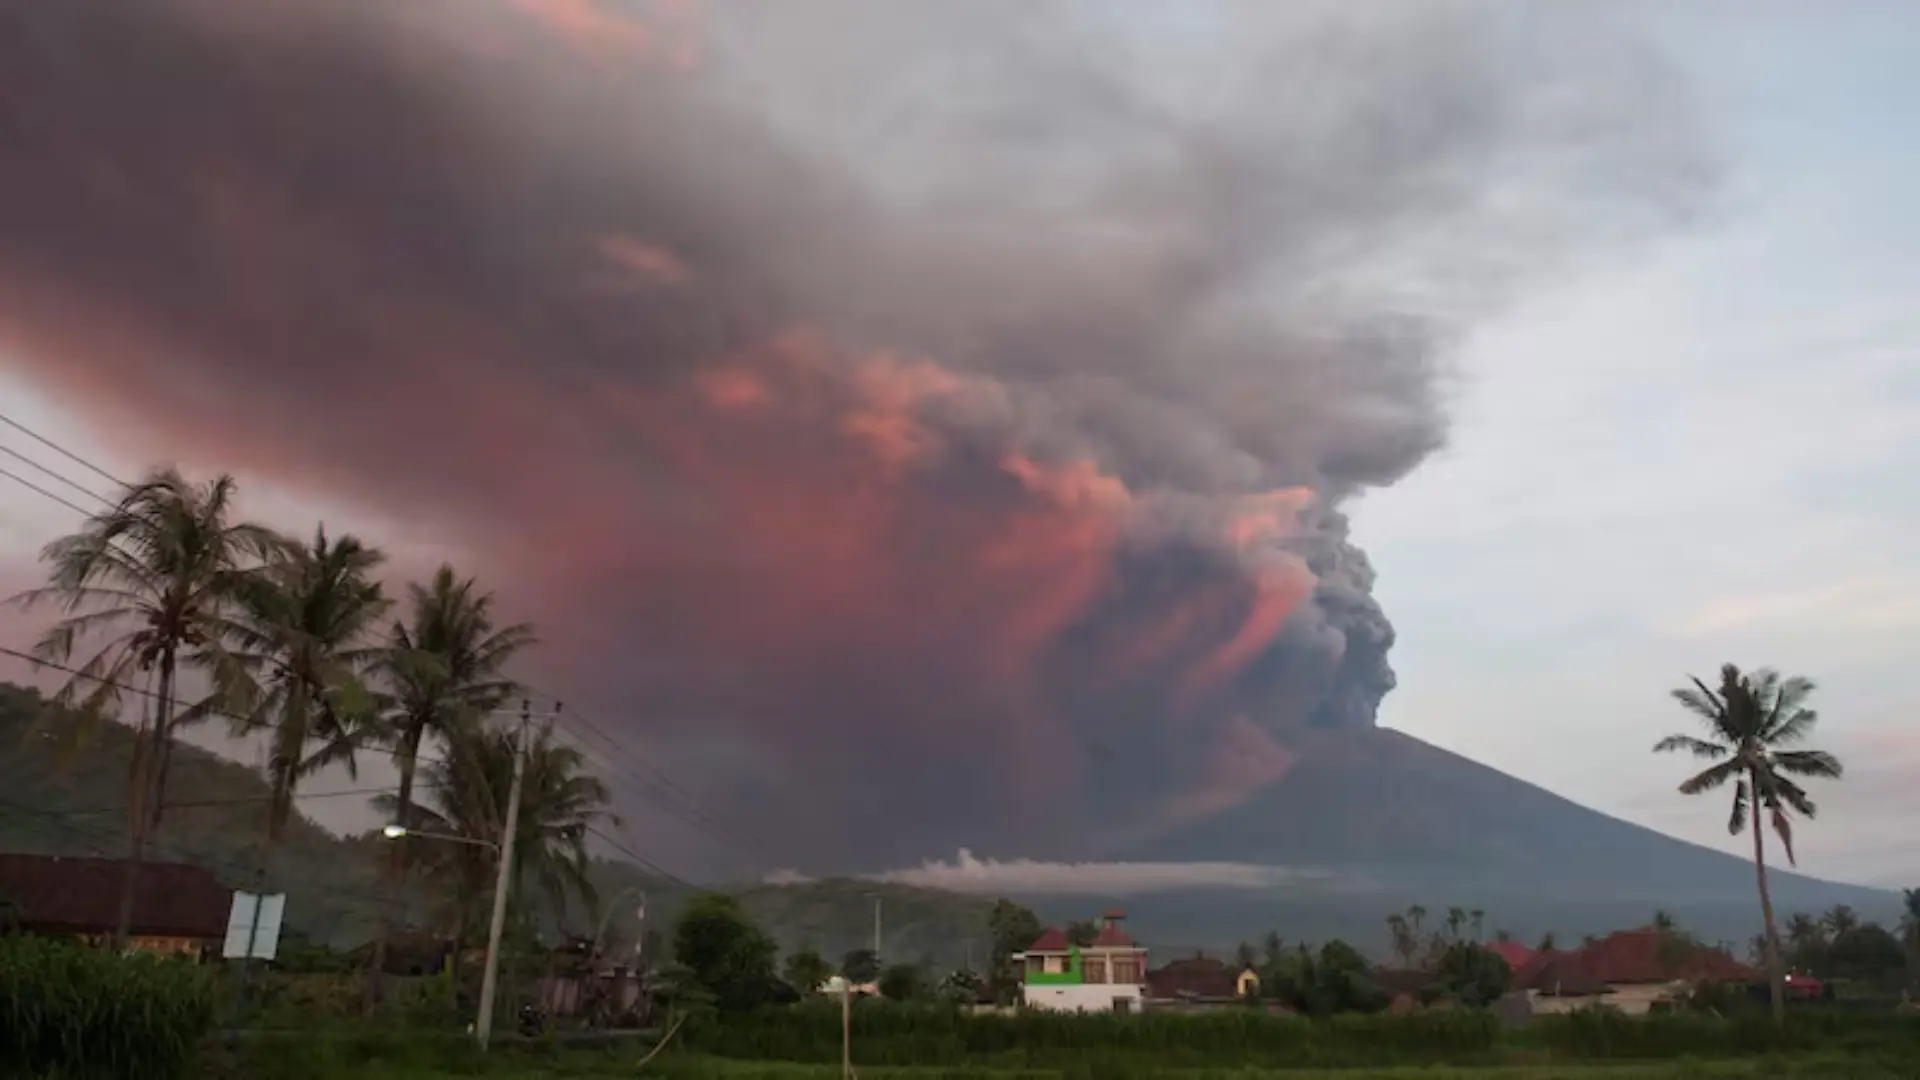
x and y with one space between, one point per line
399 832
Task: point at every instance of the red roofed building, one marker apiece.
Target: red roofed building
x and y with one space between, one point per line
1108 975
1628 970
177 908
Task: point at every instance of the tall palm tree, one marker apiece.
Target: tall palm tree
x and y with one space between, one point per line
559 803
301 651
1910 929
146 587
1749 721
444 671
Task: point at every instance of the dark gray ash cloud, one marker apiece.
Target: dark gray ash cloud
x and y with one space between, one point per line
901 408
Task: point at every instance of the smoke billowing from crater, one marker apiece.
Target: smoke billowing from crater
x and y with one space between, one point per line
933 415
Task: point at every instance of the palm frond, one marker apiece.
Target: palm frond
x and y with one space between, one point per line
1783 827
1699 748
1817 763
1710 778
1737 818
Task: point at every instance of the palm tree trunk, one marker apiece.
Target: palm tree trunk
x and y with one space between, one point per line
1774 980
408 759
149 787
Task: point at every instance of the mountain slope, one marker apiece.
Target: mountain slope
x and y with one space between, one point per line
1393 819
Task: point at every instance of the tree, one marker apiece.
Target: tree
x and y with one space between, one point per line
1548 942
152 581
1405 944
962 987
726 954
1750 721
1839 919
860 966
1478 918
299 658
1664 921
807 970
1867 952
1456 921
1273 948
1013 928
443 667
1472 975
1244 954
902 982
1082 933
1910 928
1806 943
559 804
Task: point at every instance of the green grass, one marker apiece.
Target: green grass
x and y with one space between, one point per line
688 1067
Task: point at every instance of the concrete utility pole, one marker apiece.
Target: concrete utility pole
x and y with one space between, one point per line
503 880
876 930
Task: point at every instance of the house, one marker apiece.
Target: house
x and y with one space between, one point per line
1201 980
1628 970
1108 975
178 909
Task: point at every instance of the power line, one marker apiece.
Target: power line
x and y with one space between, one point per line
61 450
55 474
31 486
641 860
662 792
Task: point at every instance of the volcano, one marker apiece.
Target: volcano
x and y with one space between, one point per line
1383 820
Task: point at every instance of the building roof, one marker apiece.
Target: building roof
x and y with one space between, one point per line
1196 977
1625 958
1643 956
68 895
1515 954
1111 937
1052 939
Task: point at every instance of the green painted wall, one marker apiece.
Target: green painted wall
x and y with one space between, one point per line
1069 977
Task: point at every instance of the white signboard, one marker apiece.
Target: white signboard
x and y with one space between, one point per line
242 927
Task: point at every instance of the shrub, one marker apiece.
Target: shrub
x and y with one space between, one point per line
76 1012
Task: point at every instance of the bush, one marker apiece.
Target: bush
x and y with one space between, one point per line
76 1012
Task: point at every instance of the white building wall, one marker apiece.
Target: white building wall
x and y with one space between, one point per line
1093 997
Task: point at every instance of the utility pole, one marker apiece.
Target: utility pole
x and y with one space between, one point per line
876 931
503 880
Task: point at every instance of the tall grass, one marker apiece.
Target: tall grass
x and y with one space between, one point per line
898 1035
88 1014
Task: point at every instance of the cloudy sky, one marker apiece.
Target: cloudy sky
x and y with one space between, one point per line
1591 326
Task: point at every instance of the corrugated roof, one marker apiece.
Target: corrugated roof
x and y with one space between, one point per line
70 895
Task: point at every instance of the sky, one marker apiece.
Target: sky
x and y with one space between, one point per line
902 383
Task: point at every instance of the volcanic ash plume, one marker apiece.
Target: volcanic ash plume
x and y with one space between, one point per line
945 408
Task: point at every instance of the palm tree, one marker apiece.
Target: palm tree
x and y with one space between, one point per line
443 668
1910 928
302 631
156 576
1748 721
1839 919
559 804
1664 921
1479 918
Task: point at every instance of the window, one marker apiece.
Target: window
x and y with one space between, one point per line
1128 970
1094 970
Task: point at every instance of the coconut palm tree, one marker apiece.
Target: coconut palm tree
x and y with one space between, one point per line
1750 721
146 588
559 803
301 649
1910 929
444 671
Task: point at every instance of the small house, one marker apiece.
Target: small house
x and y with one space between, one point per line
178 909
1108 974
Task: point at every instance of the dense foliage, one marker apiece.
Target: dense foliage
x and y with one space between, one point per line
82 1013
725 953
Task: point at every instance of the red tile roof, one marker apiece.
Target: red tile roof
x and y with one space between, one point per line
1638 956
82 896
1111 937
1515 954
1052 939
1196 977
